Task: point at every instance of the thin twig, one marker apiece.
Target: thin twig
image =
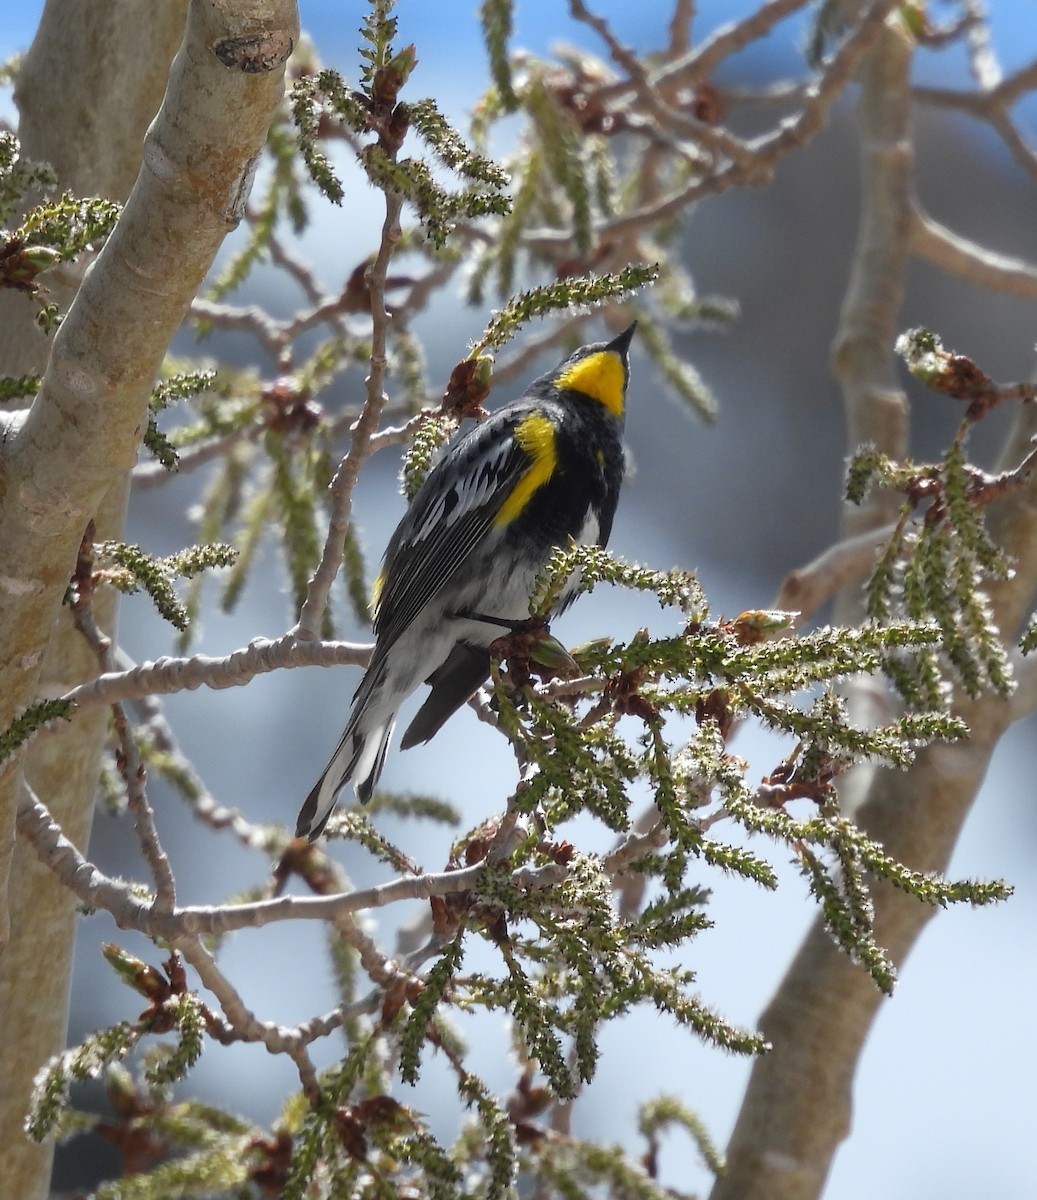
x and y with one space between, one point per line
766 151
130 764
806 589
346 476
242 1022
98 890
975 264
662 115
155 726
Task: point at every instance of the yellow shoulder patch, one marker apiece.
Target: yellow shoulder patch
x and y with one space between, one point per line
376 591
536 435
599 376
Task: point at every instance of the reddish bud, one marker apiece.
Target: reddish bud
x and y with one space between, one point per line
759 625
469 385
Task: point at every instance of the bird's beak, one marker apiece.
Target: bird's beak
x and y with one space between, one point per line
621 344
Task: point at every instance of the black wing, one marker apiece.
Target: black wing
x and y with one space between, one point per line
451 514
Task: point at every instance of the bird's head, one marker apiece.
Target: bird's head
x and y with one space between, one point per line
600 370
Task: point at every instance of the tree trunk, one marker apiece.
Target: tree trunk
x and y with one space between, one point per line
69 459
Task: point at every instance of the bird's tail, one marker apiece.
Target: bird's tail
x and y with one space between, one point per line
359 756
359 759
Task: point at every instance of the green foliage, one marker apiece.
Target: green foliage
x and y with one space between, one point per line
450 148
53 1083
593 565
30 720
273 468
438 210
415 806
210 1172
143 1105
52 231
68 225
566 295
171 390
497 18
228 405
323 99
294 493
665 1112
580 1170
378 30
18 176
495 1133
313 96
128 568
432 433
19 387
436 983
317 1151
205 1150
841 886
355 827
937 565
681 377
187 1015
721 673
566 156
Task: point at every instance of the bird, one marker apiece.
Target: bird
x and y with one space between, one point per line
462 564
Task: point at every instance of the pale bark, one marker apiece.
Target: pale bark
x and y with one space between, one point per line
68 459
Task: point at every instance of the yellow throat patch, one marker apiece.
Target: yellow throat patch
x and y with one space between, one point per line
599 376
536 435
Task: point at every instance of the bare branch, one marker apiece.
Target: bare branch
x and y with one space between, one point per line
983 103
98 890
765 152
975 264
159 733
167 675
725 41
660 114
346 475
242 1022
806 589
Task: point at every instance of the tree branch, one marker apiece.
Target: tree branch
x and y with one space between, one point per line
973 263
359 450
167 675
765 152
806 589
98 890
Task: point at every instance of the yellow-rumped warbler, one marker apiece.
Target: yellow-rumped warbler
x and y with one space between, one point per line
464 561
